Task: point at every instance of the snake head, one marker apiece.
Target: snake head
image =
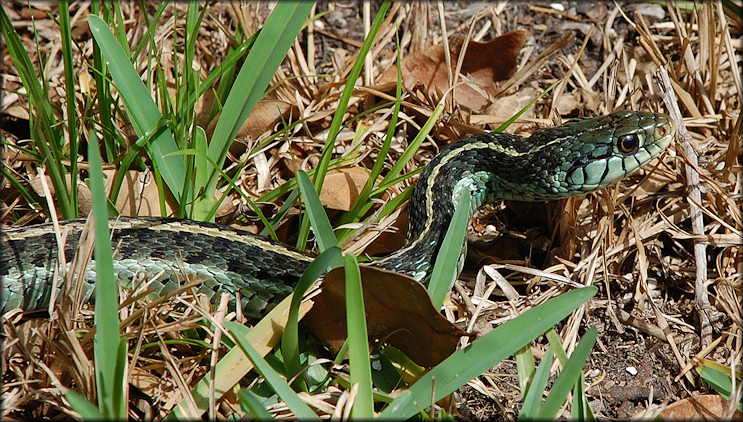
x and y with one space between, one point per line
597 152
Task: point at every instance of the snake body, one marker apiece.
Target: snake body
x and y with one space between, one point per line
580 156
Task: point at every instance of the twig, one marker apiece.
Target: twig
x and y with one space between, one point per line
701 298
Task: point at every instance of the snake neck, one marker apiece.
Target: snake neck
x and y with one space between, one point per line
466 166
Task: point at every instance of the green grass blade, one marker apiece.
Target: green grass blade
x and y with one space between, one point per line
316 213
152 25
268 229
269 50
187 134
290 339
47 135
204 204
413 147
385 375
82 406
483 353
29 196
143 113
291 184
336 123
448 264
581 410
256 408
119 27
105 101
201 155
525 367
358 342
719 377
110 356
225 71
556 343
513 118
570 374
362 204
296 405
234 365
534 391
69 81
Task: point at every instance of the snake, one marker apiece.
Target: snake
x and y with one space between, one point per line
577 157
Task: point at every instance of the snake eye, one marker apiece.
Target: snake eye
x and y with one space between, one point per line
628 144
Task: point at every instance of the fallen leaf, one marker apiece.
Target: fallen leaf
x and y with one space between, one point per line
145 381
342 186
505 107
390 240
18 111
399 312
138 195
571 103
484 64
708 407
37 11
266 114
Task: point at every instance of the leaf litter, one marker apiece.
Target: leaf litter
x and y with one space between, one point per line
635 240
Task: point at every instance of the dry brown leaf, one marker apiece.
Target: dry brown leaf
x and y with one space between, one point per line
484 64
571 103
138 195
145 381
342 186
18 111
263 118
266 114
83 191
505 107
36 11
707 407
398 312
389 240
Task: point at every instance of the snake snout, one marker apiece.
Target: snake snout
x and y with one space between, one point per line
664 130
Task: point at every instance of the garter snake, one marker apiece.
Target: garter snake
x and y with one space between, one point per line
580 156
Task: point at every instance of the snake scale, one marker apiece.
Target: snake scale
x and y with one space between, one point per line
580 156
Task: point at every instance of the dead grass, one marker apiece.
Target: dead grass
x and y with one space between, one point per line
664 246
